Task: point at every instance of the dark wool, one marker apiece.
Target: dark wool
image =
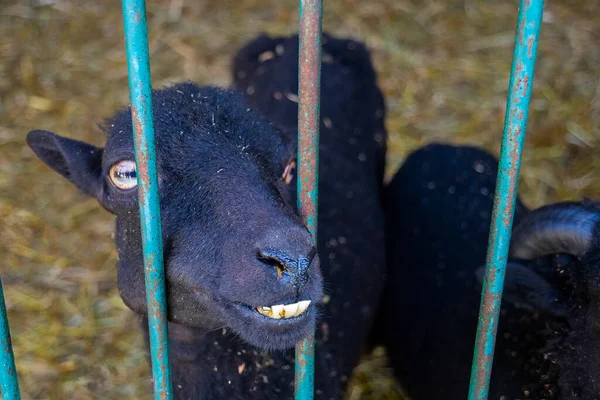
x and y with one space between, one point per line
229 219
438 213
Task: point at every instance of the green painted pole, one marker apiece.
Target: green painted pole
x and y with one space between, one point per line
9 384
309 88
140 87
515 124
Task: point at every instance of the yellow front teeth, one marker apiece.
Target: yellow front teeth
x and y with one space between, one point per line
282 311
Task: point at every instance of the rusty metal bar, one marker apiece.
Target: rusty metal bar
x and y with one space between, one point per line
140 88
9 384
309 88
515 124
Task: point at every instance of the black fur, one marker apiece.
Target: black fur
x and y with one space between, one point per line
438 212
227 214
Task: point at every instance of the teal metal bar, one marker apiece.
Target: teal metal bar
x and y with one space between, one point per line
138 63
309 88
515 124
9 384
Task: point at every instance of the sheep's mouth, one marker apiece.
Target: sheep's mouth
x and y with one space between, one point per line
278 314
276 322
284 311
272 327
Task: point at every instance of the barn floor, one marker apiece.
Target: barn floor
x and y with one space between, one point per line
444 68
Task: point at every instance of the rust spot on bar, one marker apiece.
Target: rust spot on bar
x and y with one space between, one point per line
519 69
488 308
525 84
516 99
142 157
506 213
530 42
137 124
521 31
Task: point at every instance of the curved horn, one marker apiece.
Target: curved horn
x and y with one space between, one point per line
558 228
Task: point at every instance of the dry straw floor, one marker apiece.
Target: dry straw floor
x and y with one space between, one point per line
444 68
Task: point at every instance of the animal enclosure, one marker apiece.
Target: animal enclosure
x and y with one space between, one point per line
529 72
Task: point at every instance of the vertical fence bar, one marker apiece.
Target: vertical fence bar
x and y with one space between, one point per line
138 63
9 385
309 88
515 124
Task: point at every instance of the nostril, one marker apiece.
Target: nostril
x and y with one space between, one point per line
278 260
296 267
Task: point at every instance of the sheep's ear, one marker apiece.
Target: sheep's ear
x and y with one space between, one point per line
79 162
526 289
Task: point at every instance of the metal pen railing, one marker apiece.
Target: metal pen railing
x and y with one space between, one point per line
309 90
140 93
9 384
136 38
513 138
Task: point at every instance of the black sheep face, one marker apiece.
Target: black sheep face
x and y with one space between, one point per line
236 253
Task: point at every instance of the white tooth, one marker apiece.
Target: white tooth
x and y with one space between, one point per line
278 311
302 306
291 310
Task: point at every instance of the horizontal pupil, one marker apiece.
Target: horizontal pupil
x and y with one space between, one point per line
125 174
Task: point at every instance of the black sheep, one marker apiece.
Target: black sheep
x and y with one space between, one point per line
438 213
235 249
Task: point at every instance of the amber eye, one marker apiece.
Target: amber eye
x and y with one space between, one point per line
289 172
123 174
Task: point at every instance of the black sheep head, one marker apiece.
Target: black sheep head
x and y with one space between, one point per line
555 273
236 253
